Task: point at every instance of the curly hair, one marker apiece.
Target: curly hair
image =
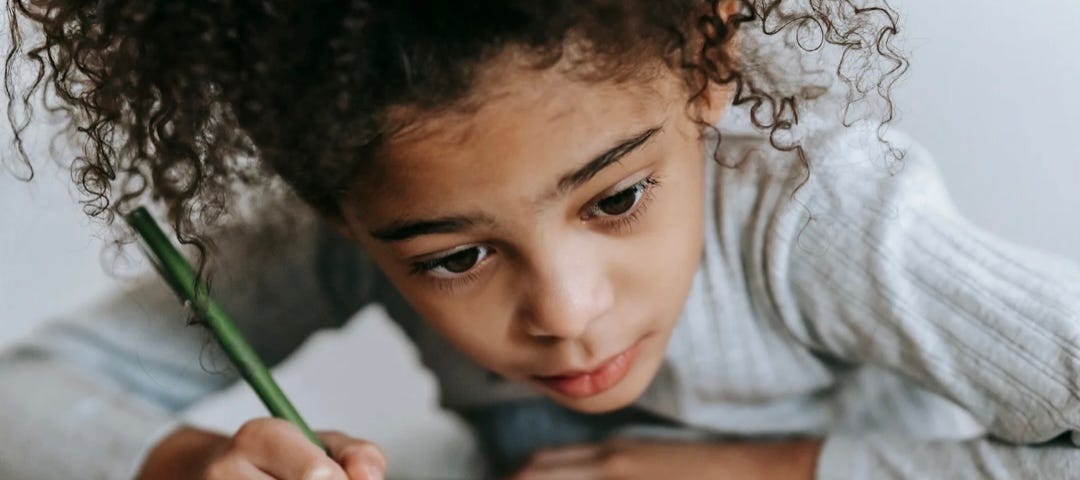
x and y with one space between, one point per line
179 104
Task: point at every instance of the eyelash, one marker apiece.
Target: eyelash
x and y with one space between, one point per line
617 224
621 223
447 284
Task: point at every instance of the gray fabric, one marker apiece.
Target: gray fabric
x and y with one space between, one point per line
510 432
860 308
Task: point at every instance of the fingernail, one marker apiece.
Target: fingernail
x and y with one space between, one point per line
319 473
374 473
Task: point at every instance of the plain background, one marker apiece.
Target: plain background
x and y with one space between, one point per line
991 93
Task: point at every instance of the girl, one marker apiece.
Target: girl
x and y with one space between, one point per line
604 224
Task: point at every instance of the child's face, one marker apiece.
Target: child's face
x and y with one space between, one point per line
525 263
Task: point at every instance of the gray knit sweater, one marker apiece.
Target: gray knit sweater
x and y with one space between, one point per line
862 309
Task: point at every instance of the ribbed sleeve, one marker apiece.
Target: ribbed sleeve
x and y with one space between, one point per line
878 456
874 265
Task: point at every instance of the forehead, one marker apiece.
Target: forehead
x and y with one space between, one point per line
519 130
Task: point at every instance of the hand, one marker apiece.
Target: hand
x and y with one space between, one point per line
262 449
627 459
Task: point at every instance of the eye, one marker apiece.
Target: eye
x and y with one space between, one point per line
623 201
455 263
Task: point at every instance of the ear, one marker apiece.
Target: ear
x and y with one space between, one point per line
715 101
728 8
717 97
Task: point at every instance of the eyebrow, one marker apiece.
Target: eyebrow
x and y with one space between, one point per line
405 229
571 180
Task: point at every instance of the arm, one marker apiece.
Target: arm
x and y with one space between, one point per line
887 273
89 395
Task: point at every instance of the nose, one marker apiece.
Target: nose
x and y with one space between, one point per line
567 293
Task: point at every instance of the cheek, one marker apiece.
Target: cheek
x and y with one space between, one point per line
478 325
670 251
680 202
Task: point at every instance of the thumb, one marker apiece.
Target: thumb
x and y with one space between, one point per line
361 459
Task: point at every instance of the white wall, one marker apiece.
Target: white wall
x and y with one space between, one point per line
992 92
49 252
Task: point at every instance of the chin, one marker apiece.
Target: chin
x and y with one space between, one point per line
596 405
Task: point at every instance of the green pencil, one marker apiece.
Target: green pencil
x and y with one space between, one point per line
177 272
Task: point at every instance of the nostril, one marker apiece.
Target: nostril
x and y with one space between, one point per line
541 334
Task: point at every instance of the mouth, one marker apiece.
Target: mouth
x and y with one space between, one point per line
586 383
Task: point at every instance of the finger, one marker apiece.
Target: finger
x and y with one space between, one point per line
235 469
280 449
361 459
567 455
574 471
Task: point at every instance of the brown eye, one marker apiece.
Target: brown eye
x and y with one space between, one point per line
462 261
455 263
621 202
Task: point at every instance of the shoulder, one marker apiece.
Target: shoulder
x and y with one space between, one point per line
855 168
842 172
807 231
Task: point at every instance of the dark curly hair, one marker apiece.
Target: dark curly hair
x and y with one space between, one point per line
179 104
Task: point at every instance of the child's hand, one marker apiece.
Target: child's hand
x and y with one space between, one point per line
263 448
641 459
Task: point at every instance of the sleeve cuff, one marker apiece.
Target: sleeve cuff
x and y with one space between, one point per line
842 457
71 427
133 449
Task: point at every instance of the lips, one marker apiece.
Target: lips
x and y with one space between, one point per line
585 383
